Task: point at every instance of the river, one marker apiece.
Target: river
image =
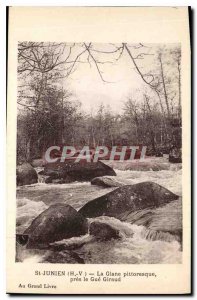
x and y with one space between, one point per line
133 248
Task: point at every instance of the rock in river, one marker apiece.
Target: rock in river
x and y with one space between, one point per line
25 174
128 198
103 231
108 181
59 221
71 171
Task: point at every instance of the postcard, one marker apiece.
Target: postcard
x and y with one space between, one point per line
98 150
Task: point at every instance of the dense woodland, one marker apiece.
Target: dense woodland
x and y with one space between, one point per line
48 114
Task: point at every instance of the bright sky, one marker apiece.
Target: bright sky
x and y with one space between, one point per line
122 78
88 87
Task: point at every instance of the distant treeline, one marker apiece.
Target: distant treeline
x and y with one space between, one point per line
68 125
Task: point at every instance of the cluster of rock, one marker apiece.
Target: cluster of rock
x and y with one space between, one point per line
147 204
62 172
69 171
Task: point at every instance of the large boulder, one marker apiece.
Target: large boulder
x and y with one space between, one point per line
129 198
25 174
103 231
59 221
70 171
108 181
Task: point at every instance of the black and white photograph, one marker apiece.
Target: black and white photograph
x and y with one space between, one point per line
99 153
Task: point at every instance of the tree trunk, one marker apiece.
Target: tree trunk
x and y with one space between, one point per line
164 87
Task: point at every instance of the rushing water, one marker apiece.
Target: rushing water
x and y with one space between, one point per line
133 247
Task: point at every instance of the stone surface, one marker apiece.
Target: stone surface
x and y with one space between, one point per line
70 171
25 174
129 198
59 221
103 231
108 181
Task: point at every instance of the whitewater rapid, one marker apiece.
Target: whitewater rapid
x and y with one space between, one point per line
132 248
